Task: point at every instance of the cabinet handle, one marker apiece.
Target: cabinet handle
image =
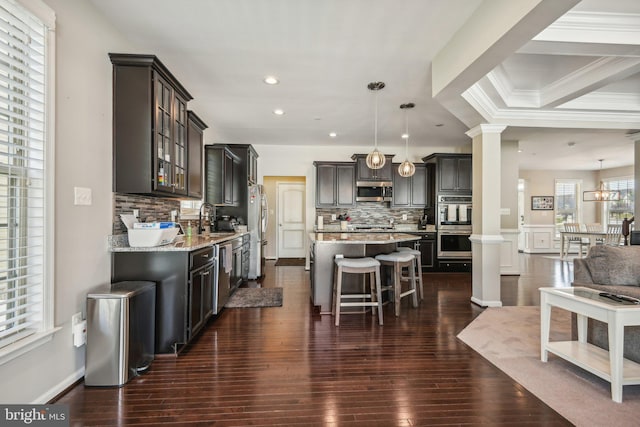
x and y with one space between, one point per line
205 255
206 273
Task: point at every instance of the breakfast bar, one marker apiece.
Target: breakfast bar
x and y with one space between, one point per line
324 248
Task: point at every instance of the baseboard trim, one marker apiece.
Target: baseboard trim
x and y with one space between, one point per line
55 391
483 303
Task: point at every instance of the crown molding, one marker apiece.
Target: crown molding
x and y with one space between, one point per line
594 75
516 98
594 27
560 118
610 101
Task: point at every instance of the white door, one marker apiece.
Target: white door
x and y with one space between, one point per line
291 220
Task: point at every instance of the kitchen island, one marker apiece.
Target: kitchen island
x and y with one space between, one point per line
324 248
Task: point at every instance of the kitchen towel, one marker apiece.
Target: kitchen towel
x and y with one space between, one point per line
228 258
463 213
452 215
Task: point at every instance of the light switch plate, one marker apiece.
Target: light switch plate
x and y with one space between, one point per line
82 196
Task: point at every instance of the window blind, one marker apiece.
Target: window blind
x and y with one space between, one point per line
616 211
22 172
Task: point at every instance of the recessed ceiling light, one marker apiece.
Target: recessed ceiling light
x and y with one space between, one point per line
278 112
405 136
520 151
439 125
271 80
333 134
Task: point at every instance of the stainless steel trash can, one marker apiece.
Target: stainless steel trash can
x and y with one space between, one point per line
120 332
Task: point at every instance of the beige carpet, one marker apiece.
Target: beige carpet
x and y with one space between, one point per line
509 337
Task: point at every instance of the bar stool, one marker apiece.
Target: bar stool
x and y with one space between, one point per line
358 266
399 260
416 253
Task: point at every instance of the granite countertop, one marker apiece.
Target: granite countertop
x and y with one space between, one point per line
120 242
361 238
399 228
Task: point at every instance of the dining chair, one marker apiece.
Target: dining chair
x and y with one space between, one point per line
614 235
595 227
574 227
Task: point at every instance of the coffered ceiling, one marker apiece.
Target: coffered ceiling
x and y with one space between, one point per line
564 76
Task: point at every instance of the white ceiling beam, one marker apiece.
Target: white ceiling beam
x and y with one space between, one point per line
495 30
595 75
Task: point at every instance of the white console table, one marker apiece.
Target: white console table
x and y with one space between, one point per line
586 303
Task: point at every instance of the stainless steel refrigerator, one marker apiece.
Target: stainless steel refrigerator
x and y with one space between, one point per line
257 217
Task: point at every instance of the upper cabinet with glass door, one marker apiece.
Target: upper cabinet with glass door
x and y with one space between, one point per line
150 128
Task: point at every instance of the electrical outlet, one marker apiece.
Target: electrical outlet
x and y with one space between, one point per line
136 213
404 217
76 318
333 217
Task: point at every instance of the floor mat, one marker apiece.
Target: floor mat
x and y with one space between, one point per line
287 262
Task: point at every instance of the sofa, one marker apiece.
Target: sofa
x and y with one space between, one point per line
613 269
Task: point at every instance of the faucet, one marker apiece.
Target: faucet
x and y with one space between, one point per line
212 214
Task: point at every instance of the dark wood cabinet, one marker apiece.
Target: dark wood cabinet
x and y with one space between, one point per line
410 191
195 151
222 186
184 290
200 294
453 172
150 147
335 184
427 247
364 173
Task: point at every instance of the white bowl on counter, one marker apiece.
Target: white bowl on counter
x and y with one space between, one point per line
149 237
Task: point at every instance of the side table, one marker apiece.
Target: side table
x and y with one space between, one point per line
587 303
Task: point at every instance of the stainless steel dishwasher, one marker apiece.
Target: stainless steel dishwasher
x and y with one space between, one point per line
225 268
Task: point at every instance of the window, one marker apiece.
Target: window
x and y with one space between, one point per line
26 185
567 202
190 209
616 211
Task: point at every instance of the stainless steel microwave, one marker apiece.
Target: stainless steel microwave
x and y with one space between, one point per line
373 191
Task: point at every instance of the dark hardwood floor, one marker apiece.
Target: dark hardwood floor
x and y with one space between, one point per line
287 366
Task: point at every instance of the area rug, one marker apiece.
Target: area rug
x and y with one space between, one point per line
509 337
290 262
255 297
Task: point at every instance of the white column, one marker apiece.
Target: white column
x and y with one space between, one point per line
509 220
486 239
635 137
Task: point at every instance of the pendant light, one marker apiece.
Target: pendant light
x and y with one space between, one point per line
406 168
601 194
375 159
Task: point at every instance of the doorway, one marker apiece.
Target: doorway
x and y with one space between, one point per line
291 220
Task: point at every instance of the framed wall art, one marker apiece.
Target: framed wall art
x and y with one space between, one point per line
541 203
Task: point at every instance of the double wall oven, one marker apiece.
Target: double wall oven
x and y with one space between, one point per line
454 226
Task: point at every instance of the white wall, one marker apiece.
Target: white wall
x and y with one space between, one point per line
542 183
83 158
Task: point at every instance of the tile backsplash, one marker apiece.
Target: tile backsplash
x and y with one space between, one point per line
372 213
151 209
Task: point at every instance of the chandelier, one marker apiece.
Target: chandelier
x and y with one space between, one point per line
601 194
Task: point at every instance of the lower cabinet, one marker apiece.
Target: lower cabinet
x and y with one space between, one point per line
185 283
427 247
200 298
